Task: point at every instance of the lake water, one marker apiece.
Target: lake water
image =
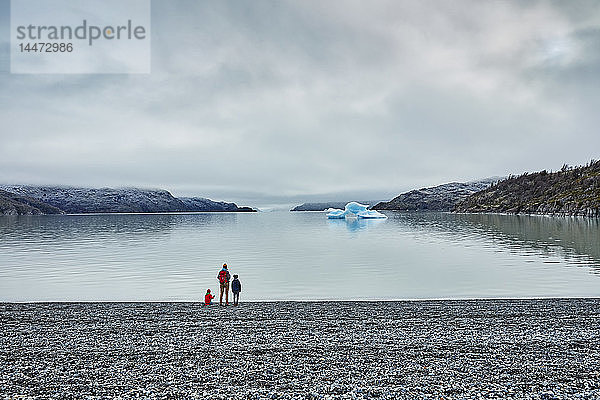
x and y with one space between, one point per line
297 256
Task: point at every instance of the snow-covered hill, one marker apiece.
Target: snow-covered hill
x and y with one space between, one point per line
438 198
73 200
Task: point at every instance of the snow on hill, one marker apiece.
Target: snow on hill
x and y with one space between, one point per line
438 198
73 200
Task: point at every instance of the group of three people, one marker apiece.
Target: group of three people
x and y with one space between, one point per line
236 287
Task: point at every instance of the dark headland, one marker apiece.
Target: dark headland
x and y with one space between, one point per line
572 191
478 349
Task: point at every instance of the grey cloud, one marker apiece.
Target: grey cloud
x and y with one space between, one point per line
279 100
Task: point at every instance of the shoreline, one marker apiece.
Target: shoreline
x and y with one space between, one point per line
463 349
316 301
258 211
134 213
558 215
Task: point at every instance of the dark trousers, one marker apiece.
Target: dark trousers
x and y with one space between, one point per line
236 298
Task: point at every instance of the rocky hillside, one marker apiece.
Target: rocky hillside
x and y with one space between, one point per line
13 204
73 200
437 198
570 191
201 204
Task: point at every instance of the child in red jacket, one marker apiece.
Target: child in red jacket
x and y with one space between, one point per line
208 298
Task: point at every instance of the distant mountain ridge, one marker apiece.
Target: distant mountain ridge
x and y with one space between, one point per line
570 191
74 200
202 204
322 206
437 198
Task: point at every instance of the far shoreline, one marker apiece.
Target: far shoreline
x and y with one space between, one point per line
313 302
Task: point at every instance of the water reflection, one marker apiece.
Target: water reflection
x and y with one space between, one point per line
573 238
38 229
116 256
354 224
296 256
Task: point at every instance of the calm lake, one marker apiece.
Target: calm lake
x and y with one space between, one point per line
297 256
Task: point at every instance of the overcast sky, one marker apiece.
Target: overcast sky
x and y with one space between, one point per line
267 101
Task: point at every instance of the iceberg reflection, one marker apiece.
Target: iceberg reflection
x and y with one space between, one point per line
354 224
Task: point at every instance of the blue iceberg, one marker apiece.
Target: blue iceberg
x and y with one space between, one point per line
354 209
336 213
370 214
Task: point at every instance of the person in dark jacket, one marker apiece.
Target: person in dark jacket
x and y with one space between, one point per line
236 288
224 277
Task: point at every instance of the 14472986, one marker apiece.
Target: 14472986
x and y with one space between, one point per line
46 47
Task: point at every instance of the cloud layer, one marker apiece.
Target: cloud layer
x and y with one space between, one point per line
262 100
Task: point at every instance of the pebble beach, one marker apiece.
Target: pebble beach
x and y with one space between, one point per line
446 349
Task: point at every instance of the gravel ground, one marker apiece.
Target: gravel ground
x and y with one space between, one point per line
480 349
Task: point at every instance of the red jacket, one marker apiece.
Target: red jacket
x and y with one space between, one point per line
208 298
